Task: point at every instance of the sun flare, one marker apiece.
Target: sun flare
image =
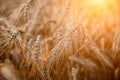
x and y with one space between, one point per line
100 2
96 3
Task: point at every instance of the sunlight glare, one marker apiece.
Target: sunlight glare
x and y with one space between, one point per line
97 2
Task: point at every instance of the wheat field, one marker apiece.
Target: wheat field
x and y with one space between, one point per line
59 40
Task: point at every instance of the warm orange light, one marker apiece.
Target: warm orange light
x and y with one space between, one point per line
97 2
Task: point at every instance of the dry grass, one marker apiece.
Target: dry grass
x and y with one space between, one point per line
59 40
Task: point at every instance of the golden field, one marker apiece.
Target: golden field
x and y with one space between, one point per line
59 40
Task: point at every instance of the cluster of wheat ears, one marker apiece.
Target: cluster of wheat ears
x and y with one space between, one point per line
59 40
